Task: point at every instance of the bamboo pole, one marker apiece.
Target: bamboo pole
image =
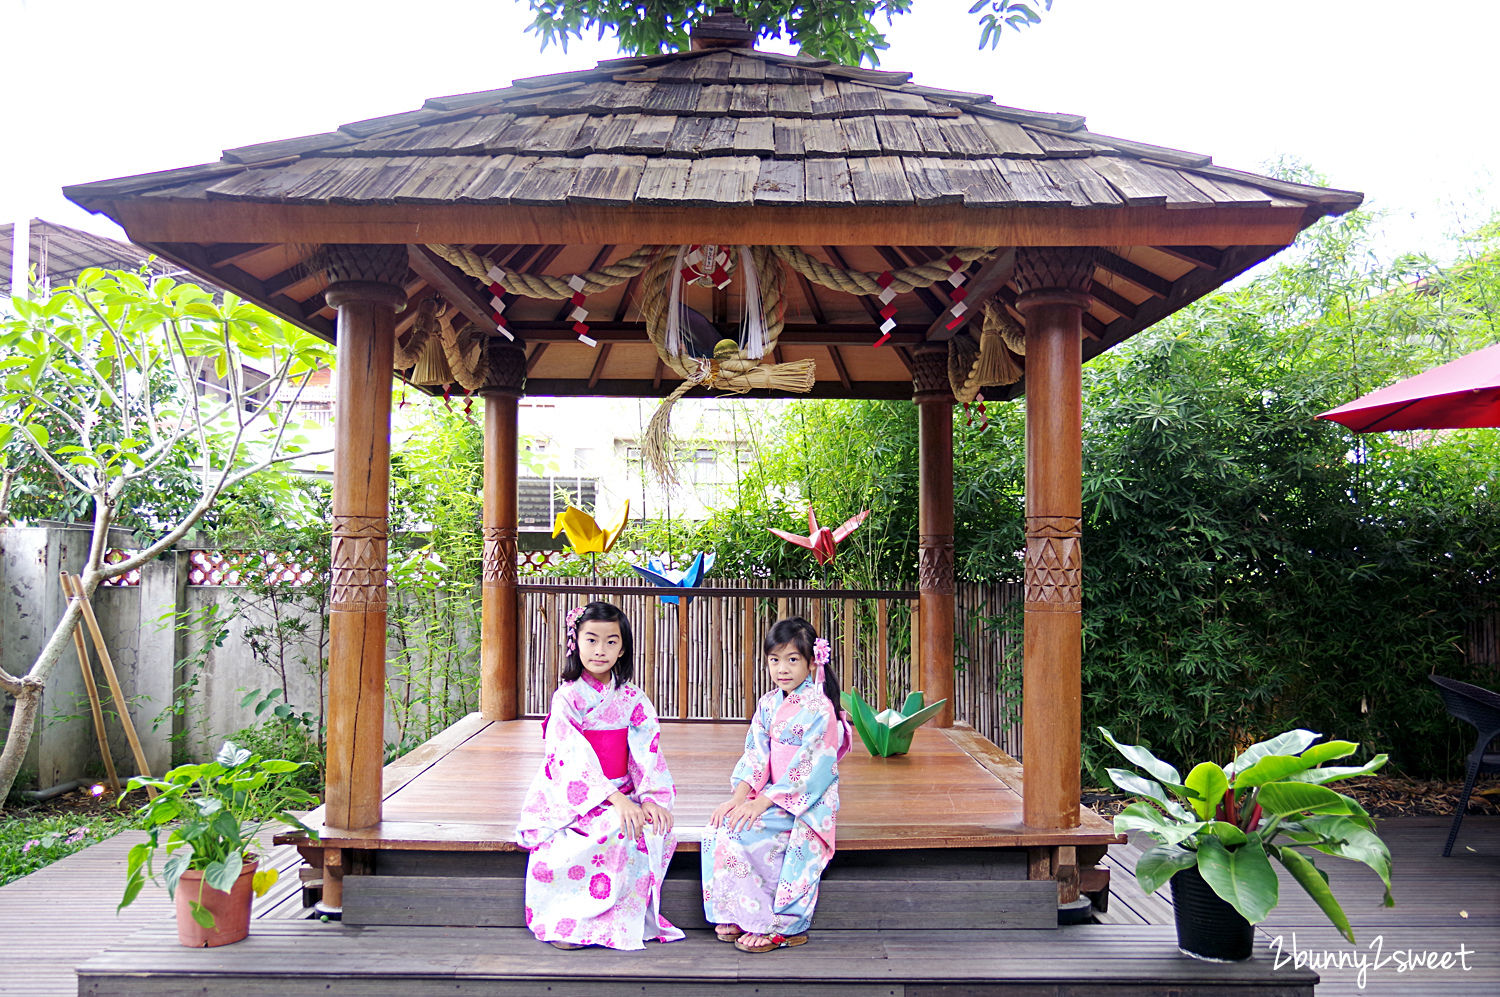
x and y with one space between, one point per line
846 669
747 662
684 650
93 691
115 690
883 649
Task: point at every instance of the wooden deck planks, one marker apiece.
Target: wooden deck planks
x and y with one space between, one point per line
945 794
307 958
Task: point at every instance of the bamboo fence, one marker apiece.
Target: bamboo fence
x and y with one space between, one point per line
723 675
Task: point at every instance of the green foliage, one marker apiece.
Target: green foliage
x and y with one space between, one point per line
437 482
216 812
127 391
1231 818
1247 567
30 841
283 731
843 31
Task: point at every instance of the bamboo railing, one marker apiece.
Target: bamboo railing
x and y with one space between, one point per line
716 673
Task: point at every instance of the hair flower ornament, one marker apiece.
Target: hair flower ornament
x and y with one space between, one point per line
572 627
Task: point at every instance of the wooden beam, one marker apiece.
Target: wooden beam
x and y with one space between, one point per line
1112 300
536 354
192 257
155 220
454 285
838 365
598 369
793 334
649 388
982 287
1203 257
1138 275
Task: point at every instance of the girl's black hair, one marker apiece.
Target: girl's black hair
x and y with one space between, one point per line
799 633
603 612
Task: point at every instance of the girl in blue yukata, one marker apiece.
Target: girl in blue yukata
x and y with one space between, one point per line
765 848
598 817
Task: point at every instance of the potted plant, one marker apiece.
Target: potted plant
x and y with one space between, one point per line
216 812
1216 839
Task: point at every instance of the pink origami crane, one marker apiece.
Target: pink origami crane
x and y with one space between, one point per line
820 539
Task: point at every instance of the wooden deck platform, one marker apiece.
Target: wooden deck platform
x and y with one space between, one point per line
65 914
462 791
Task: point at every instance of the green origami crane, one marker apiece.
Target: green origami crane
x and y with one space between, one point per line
889 732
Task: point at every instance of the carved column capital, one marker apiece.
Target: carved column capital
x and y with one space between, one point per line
500 552
360 547
507 369
1054 564
1052 274
935 563
929 375
362 273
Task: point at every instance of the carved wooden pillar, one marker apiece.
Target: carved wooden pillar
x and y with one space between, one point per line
365 287
934 398
1053 285
499 646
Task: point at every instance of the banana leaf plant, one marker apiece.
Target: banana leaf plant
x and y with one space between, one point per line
1231 820
889 732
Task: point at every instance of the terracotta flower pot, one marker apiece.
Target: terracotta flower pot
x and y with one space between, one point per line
1208 926
231 911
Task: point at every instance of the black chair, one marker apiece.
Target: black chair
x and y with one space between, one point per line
1480 707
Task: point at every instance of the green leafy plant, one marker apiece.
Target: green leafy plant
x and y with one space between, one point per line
1227 821
844 31
216 812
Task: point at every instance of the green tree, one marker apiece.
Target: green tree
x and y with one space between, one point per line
1247 568
844 31
116 384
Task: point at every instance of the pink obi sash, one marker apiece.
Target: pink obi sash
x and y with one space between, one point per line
613 749
781 757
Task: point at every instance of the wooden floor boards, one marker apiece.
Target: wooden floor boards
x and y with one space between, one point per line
954 789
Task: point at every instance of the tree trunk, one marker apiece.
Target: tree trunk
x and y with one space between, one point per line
28 693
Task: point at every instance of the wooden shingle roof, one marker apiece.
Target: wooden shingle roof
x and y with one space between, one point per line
859 167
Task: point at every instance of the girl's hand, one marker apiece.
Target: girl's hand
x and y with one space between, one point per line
632 817
742 815
658 816
719 811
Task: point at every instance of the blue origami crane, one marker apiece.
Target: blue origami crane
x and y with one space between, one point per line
672 578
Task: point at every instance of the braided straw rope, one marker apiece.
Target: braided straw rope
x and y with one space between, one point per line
544 285
734 372
859 282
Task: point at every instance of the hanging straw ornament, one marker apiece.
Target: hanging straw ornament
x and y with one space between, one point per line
431 368
735 366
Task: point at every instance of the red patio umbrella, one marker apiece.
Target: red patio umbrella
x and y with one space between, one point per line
1461 394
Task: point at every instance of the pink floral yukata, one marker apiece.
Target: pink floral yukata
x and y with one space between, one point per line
584 882
764 878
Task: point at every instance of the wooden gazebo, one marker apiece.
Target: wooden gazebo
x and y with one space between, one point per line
852 175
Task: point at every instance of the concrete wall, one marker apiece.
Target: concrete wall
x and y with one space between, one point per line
64 745
153 658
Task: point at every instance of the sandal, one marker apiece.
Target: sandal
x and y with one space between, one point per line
771 943
727 932
567 945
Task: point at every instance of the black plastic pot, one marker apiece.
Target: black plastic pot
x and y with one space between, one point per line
1208 927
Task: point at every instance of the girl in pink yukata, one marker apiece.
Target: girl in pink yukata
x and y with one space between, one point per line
765 848
598 816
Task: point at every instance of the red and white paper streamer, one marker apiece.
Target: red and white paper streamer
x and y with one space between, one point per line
497 300
956 280
887 298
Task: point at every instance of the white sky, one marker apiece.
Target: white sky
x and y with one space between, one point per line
1393 99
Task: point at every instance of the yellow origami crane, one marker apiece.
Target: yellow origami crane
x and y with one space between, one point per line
585 534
